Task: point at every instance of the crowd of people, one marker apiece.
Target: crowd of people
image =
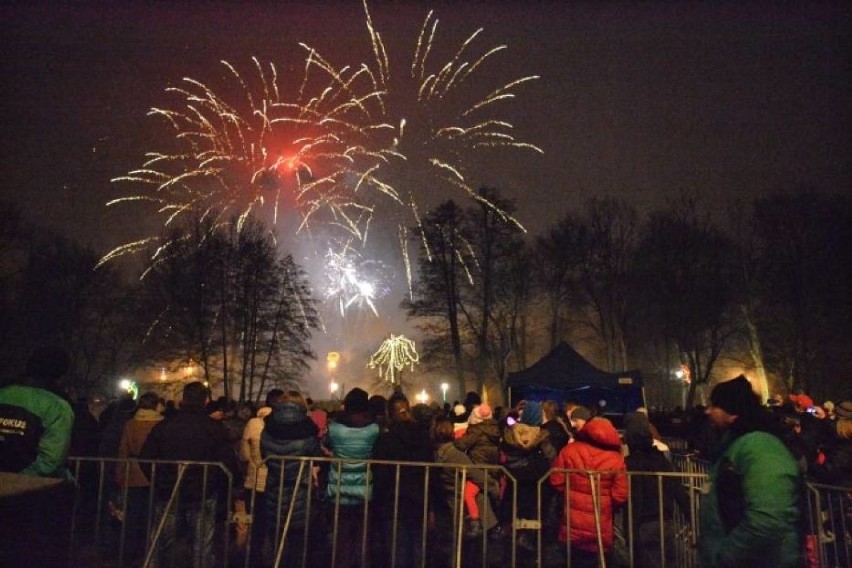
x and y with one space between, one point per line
402 467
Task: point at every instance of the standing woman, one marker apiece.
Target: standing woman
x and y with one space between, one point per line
289 433
351 436
401 505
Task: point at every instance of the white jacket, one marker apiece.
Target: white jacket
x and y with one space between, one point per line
250 451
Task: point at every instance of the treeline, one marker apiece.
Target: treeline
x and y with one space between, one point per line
765 289
222 302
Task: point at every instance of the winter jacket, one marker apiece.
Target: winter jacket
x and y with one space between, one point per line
402 442
597 448
250 451
35 431
482 443
452 488
189 435
132 439
527 451
351 437
288 432
749 515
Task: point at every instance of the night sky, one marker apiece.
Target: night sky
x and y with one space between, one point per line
636 100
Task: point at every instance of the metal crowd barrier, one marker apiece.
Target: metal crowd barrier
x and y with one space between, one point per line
119 526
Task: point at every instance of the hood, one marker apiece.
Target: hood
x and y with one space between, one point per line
289 421
637 432
288 413
600 432
147 415
525 436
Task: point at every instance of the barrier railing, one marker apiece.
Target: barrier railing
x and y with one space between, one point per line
409 514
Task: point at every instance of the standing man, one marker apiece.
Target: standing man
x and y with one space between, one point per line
189 435
750 511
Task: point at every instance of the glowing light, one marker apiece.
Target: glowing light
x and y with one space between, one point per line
422 397
394 354
129 387
444 388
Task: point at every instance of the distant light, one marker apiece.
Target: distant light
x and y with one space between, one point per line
679 373
124 384
422 397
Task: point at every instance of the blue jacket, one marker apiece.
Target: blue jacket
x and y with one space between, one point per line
288 432
351 438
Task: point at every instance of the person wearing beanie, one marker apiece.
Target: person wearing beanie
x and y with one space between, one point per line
597 447
481 443
644 456
532 415
527 455
750 515
351 436
579 416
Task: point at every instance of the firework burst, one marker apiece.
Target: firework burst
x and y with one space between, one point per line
253 152
385 138
434 121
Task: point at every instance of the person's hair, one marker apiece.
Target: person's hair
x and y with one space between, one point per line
844 429
442 430
148 400
195 394
274 396
399 410
295 397
550 409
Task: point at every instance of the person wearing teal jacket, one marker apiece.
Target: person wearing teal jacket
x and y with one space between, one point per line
750 512
35 424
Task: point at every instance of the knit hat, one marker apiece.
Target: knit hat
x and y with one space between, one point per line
459 409
802 401
531 416
356 401
581 413
735 397
480 413
844 410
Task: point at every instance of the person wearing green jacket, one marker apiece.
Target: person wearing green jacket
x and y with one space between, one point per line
35 423
36 495
750 511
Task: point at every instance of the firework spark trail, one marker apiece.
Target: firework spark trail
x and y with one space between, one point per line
352 143
240 154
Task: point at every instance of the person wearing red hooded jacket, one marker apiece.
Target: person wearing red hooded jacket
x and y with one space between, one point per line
597 448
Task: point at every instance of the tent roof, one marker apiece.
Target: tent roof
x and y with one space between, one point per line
564 367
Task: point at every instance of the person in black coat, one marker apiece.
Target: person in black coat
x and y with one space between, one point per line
401 507
190 435
645 494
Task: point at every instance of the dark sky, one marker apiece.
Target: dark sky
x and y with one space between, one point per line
640 101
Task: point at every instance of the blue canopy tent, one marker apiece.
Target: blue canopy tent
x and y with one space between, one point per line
564 375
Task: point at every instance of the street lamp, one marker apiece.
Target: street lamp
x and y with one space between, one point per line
444 388
333 386
422 397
